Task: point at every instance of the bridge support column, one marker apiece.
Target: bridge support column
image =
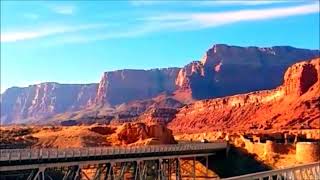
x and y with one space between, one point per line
71 173
40 174
109 172
136 170
194 168
31 174
160 169
100 170
77 173
207 166
36 176
169 168
143 173
123 170
178 175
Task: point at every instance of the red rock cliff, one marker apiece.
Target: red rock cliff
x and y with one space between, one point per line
227 70
295 104
126 85
42 100
223 71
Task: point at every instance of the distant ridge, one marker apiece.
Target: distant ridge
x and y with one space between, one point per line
224 70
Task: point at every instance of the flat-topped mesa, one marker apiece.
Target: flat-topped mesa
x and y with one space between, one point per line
122 86
222 54
227 70
255 56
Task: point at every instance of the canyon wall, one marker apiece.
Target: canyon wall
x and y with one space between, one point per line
295 104
122 86
45 99
228 70
224 70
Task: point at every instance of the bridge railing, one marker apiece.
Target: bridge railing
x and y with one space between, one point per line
51 153
302 172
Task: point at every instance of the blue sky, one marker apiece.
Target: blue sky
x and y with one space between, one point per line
76 41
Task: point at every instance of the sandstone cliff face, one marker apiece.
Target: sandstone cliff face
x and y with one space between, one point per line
122 86
301 77
224 70
227 70
42 100
193 71
295 104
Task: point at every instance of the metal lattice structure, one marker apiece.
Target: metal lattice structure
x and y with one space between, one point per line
301 172
138 163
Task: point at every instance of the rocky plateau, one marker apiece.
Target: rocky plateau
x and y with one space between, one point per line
124 95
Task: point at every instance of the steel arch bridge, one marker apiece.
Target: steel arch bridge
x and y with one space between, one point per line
145 162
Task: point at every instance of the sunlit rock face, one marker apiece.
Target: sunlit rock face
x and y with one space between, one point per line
45 99
223 71
138 132
294 104
227 70
122 86
301 77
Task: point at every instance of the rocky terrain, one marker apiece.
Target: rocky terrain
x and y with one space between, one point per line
129 134
293 105
224 70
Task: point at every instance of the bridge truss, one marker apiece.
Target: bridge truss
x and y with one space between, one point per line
302 172
135 163
153 168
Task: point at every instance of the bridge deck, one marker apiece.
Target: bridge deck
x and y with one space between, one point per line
11 157
309 171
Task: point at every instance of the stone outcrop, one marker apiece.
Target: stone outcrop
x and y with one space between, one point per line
134 132
295 104
301 77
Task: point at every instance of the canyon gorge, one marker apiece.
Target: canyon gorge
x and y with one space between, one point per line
223 71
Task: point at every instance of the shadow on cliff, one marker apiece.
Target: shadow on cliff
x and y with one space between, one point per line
237 163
